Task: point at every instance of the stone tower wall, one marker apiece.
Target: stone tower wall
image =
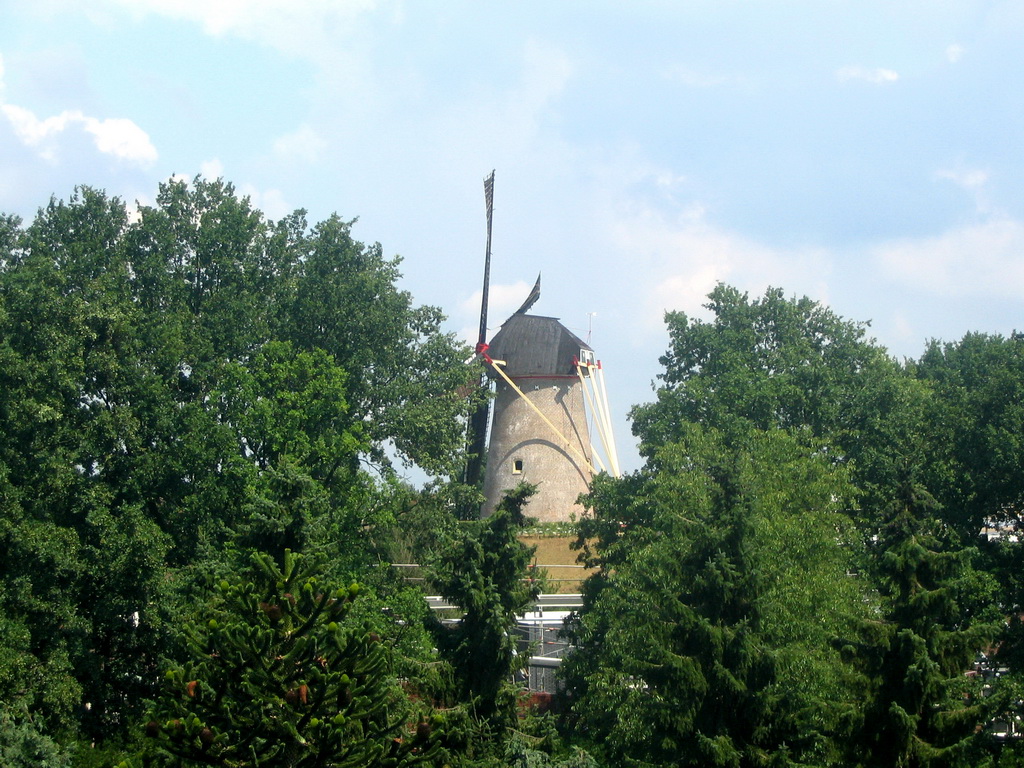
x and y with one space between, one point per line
525 449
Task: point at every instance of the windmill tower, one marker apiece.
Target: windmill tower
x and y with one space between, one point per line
546 380
539 433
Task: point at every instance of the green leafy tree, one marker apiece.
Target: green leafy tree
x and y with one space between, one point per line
279 675
405 375
977 420
772 362
178 388
82 557
974 423
775 362
976 448
23 745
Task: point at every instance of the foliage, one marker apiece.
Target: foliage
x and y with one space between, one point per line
405 375
977 423
773 362
175 389
917 710
279 675
181 387
425 523
537 744
22 745
701 640
792 364
485 574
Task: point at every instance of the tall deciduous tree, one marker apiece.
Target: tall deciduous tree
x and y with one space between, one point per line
775 362
81 555
973 467
405 376
977 420
179 386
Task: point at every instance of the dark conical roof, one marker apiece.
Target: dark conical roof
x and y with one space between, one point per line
532 345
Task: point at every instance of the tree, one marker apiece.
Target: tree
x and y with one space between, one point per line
759 370
912 660
280 676
792 364
975 451
22 745
703 636
977 423
175 389
82 556
772 362
405 375
486 574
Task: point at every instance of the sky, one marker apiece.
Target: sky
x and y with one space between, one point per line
868 154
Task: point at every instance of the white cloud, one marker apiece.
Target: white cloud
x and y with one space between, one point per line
954 53
302 145
118 137
984 259
680 258
302 28
31 131
121 138
877 75
212 168
971 180
270 201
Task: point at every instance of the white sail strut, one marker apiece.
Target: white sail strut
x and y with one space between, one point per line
568 443
597 400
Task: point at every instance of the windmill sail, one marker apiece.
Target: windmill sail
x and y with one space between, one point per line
531 299
478 421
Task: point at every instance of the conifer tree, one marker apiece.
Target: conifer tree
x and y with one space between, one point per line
670 667
917 711
486 574
696 643
280 676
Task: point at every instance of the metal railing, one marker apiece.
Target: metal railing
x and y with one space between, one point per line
537 629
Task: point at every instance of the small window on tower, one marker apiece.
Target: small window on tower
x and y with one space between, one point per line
517 466
586 357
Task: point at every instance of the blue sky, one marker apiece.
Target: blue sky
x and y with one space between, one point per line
867 154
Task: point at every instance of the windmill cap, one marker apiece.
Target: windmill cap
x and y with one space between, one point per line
533 345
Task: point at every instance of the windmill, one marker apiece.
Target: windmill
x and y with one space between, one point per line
547 382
